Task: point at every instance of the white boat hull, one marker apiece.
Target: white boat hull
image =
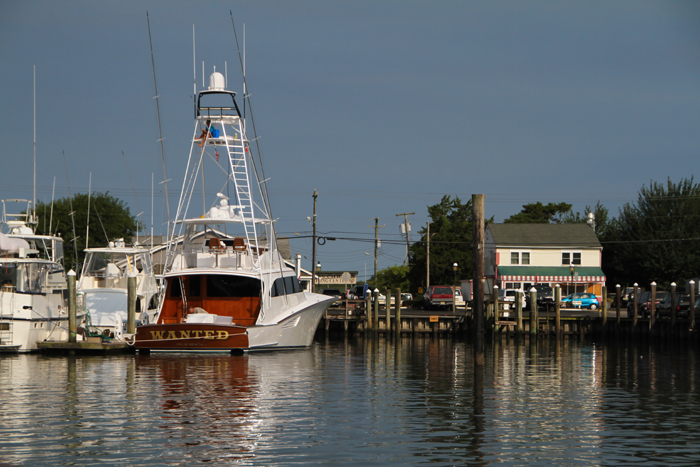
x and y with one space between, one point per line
296 331
23 334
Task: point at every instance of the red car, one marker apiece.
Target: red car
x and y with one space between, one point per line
437 296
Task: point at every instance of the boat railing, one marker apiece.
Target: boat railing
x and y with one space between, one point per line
223 257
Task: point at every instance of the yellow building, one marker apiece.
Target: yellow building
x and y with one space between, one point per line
517 256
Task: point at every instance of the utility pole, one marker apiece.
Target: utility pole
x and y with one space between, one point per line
376 243
478 203
313 250
405 223
427 261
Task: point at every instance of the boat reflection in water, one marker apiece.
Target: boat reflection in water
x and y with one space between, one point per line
359 402
219 407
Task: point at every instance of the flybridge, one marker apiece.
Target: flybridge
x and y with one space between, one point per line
219 138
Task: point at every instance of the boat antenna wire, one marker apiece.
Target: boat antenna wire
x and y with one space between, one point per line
101 225
140 214
72 213
87 227
53 192
160 132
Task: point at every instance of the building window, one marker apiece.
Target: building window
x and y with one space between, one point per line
520 257
571 257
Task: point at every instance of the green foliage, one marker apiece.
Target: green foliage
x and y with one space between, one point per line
451 237
538 213
655 239
110 219
392 277
603 223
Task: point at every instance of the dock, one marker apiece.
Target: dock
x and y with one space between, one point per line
91 346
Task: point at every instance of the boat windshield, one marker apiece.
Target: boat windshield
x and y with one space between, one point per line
26 277
50 249
107 264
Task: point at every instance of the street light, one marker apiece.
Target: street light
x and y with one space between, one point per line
454 290
572 269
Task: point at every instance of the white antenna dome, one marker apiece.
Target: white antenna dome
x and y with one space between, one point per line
217 81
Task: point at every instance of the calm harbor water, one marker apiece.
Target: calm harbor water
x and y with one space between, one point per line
357 402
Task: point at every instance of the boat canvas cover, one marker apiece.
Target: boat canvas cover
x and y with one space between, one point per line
12 245
103 306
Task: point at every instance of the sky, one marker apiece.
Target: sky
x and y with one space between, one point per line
382 107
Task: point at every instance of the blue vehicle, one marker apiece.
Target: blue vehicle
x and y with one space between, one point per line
581 300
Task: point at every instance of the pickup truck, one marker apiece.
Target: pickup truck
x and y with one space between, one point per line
438 296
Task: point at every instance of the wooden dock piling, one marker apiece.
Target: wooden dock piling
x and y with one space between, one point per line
72 312
557 311
533 312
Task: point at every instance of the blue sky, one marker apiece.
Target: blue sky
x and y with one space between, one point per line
382 107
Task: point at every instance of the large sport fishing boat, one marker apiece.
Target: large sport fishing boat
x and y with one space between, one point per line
226 285
33 287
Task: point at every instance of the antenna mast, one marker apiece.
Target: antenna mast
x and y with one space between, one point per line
194 67
34 198
87 229
160 132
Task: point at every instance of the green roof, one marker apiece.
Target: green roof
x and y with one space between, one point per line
544 235
550 271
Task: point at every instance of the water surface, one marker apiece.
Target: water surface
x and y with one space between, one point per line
357 402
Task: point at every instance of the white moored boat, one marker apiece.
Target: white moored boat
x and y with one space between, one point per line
226 285
103 284
33 287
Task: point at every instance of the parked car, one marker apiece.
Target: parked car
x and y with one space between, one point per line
627 294
359 292
545 295
437 296
404 297
333 293
508 295
682 304
581 300
459 299
644 303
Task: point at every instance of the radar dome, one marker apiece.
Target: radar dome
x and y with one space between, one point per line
217 81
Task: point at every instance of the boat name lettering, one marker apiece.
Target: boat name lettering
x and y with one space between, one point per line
189 334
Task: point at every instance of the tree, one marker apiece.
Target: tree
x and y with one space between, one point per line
601 216
451 237
110 219
656 238
538 213
392 277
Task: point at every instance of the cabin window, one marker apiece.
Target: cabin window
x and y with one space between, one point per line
175 291
8 274
194 287
285 285
232 286
296 286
